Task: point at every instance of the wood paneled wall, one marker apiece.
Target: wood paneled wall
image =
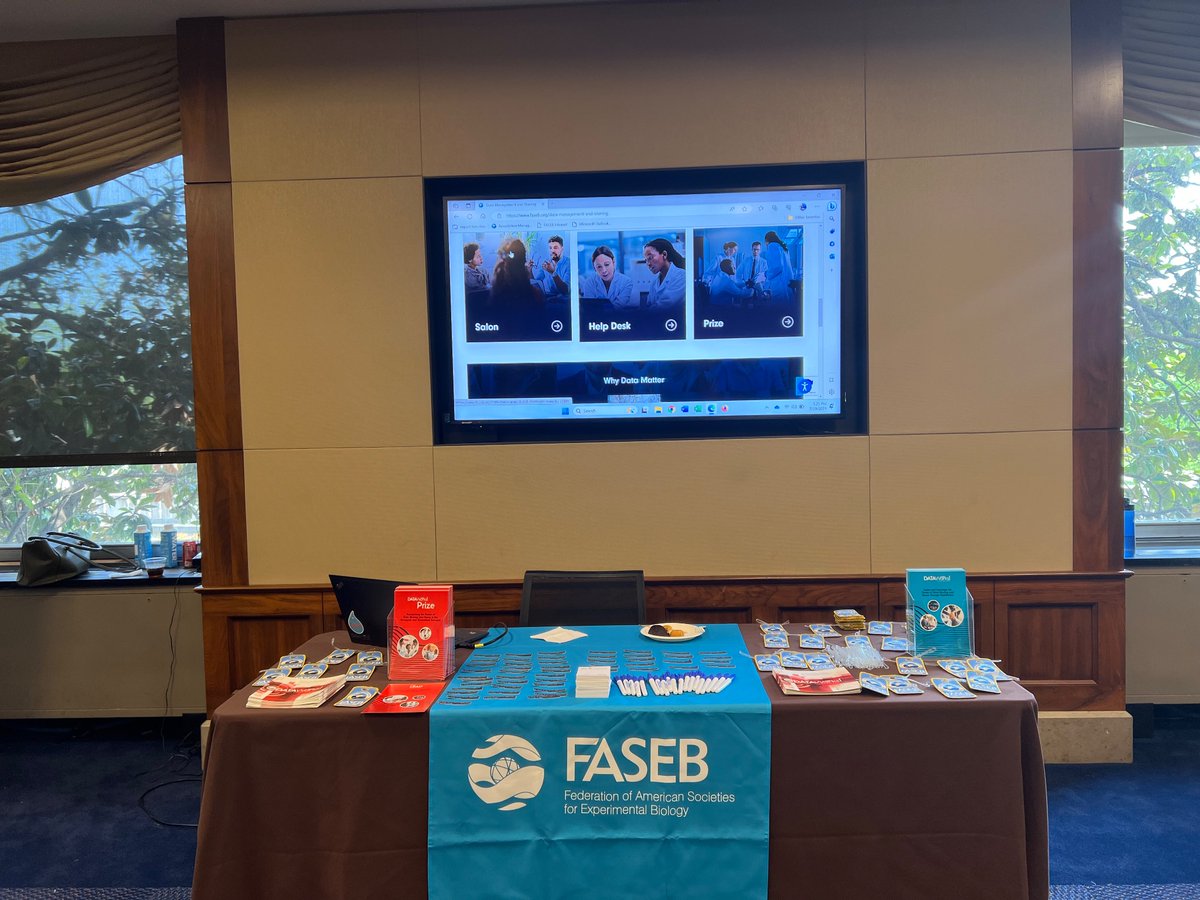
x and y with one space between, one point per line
964 114
991 136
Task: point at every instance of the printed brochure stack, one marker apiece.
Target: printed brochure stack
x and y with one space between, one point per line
295 693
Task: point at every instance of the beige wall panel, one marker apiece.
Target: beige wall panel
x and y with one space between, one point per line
323 97
627 85
94 623
947 76
983 502
359 512
332 313
721 507
970 293
1162 619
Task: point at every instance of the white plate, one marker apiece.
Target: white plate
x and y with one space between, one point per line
689 632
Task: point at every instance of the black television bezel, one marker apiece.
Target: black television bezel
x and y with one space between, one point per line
849 176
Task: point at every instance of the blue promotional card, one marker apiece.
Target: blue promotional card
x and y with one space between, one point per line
940 613
978 681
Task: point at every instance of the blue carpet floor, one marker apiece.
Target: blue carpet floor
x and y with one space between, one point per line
1133 824
69 803
72 826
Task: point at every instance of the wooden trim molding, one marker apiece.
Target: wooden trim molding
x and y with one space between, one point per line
1097 522
1097 92
222 479
1097 339
203 106
1097 362
212 289
1098 291
216 373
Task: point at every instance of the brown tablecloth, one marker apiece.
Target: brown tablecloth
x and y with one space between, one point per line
918 797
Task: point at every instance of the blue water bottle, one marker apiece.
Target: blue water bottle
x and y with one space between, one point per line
1130 531
141 545
169 546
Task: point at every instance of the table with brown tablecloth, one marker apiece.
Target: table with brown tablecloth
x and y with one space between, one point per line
916 796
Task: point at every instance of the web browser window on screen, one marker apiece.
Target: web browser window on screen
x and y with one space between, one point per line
675 305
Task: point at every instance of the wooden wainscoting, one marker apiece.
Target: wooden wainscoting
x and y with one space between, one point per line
248 629
1062 634
1065 639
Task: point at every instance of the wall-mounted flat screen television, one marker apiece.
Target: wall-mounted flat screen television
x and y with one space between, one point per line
678 303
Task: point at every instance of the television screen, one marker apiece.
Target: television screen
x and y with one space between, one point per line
618 305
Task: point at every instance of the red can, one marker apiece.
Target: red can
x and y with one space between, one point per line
189 552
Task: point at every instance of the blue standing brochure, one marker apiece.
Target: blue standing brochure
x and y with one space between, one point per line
940 613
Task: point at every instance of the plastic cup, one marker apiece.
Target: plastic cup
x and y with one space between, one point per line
155 566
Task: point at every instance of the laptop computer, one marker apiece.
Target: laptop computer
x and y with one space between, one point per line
365 604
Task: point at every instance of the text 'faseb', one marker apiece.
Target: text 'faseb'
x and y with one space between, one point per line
661 760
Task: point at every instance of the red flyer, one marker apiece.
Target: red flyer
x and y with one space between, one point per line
406 698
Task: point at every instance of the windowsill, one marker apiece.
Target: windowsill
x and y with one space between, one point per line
95 578
1148 557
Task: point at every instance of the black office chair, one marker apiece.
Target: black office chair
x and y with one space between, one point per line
584 598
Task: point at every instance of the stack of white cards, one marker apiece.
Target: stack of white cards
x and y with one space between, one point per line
593 681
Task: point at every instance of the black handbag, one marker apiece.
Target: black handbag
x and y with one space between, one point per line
59 555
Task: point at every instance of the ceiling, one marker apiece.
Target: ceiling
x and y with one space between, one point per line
50 20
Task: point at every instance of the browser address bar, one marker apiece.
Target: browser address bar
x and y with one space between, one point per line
567 212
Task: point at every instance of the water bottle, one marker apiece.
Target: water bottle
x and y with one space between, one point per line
141 545
169 546
1130 531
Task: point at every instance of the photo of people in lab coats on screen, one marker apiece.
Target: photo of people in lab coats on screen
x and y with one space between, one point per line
748 281
632 286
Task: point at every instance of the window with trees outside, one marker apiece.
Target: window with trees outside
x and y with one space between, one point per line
97 430
1162 343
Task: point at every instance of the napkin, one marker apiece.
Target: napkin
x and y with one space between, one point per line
558 635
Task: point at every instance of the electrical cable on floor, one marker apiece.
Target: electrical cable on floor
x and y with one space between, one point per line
178 754
181 757
146 793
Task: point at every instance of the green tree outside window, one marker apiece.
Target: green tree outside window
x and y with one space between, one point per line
1162 333
95 358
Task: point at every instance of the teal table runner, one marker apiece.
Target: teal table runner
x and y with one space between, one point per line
536 793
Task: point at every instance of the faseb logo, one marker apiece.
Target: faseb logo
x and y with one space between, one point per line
662 760
504 781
